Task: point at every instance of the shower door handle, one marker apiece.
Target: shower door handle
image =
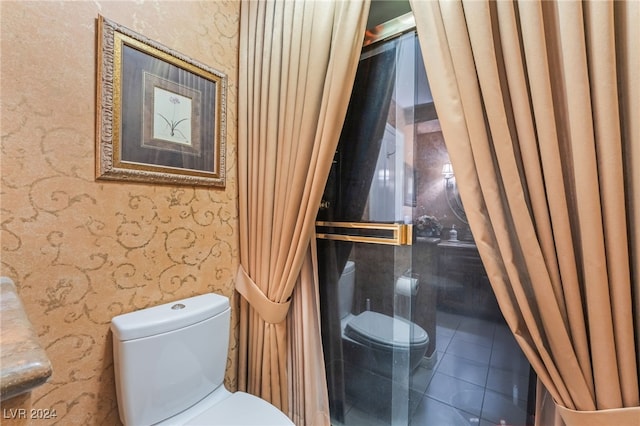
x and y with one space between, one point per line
395 234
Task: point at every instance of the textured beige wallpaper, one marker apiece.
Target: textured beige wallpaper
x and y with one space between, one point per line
82 251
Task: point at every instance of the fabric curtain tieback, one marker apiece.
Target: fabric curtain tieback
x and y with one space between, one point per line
613 416
271 312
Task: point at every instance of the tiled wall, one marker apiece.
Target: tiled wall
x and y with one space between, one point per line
82 251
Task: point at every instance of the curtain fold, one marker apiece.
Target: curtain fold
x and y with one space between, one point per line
297 64
308 402
539 110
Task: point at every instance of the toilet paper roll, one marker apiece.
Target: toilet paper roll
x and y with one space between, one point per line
406 286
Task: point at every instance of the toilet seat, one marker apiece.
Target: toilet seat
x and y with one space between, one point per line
376 329
241 409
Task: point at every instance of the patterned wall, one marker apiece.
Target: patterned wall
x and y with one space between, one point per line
82 251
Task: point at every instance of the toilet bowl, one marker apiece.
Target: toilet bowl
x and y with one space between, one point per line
372 339
170 362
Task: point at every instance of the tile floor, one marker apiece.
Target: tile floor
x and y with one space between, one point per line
480 378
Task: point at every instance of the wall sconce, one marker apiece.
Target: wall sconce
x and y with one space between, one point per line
451 193
447 173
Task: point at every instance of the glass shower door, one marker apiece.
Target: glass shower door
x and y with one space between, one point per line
374 341
411 329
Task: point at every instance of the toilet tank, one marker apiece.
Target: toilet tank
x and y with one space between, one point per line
169 357
346 285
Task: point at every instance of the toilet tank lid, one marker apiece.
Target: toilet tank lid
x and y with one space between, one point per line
167 317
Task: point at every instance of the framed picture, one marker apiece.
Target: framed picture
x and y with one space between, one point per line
161 117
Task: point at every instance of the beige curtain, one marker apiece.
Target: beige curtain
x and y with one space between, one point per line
297 65
539 103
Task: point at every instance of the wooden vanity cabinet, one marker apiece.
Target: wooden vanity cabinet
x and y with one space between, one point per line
463 284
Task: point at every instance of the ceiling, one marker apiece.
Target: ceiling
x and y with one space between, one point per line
384 10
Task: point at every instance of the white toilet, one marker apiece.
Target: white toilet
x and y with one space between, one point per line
170 363
371 338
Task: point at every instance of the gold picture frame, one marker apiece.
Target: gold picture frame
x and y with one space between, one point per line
161 116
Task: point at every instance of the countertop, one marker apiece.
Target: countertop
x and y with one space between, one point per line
24 364
458 243
428 240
